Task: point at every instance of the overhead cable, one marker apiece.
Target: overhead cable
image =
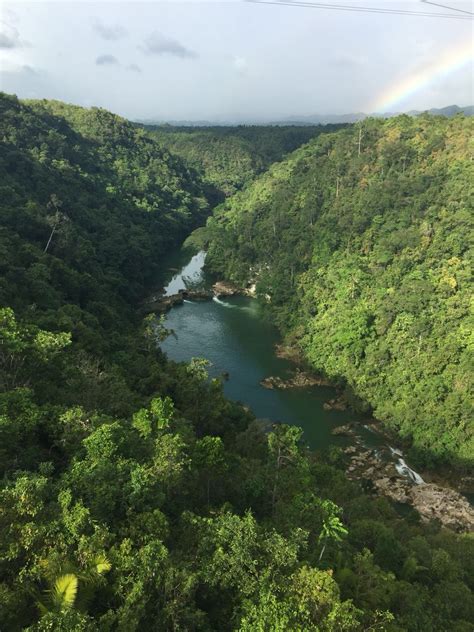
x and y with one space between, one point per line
355 9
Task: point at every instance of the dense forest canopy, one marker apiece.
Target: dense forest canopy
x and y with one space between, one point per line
228 158
363 240
133 495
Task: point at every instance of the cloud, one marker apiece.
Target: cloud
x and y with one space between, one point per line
28 82
106 60
159 44
110 33
29 70
10 37
111 60
13 68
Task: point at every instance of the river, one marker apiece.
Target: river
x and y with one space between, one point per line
233 335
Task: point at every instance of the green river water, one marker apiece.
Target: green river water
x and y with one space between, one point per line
236 339
233 335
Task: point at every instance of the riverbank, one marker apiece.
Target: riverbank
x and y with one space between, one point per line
276 383
385 471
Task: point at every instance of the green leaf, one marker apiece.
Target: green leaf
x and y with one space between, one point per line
64 591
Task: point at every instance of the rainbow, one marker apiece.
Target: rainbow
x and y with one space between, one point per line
409 85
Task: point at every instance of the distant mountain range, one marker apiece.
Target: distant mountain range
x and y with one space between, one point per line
324 119
317 119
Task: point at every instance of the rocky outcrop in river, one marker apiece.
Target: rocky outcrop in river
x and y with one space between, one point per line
225 288
336 403
398 482
298 380
159 304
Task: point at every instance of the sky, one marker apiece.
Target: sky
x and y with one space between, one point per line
235 60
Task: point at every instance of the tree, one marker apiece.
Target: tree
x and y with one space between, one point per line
57 221
333 529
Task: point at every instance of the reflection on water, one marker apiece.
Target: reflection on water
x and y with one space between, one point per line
191 275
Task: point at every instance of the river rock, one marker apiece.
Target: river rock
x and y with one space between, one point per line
158 303
350 450
225 288
251 290
163 303
272 382
432 502
197 295
444 504
299 379
337 403
346 430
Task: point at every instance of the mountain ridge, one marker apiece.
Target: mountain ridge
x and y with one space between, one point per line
309 119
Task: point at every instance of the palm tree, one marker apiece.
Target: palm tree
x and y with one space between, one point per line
63 590
333 529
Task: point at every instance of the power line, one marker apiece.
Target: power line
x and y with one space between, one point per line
351 8
443 6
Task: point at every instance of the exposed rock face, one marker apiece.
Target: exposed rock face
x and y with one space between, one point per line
298 380
430 500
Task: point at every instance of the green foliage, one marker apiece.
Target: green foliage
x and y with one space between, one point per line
365 259
133 495
157 417
63 593
229 158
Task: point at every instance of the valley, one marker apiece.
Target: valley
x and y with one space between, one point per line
159 467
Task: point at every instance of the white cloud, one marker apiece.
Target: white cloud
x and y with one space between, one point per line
106 60
10 37
110 33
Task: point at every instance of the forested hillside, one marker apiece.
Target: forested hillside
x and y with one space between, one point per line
228 158
133 495
363 241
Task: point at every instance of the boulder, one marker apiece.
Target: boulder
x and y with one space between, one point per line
299 379
346 430
225 288
443 503
337 403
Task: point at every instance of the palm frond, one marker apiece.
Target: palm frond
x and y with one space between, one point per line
64 591
102 564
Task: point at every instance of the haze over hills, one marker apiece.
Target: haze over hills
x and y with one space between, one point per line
312 119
